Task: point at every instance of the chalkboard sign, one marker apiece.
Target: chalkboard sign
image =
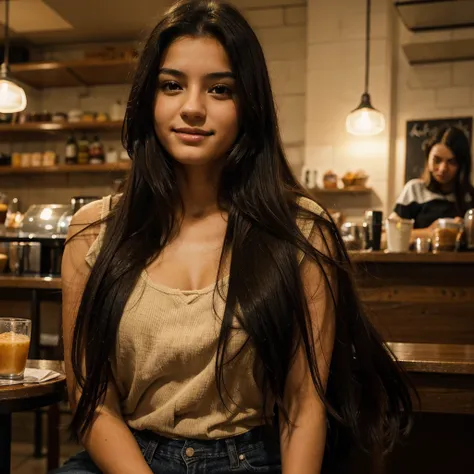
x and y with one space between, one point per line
420 130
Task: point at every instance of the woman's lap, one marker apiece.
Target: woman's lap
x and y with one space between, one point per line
253 451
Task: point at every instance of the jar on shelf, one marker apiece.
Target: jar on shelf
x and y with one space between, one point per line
16 160
111 156
50 158
36 159
25 160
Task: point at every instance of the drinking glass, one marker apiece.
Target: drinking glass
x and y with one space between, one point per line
15 335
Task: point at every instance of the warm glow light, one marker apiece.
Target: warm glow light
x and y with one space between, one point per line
365 121
46 214
12 97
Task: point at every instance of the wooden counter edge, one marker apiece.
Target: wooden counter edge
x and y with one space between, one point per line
357 256
30 282
434 358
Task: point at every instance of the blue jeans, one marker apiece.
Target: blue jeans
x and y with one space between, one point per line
255 451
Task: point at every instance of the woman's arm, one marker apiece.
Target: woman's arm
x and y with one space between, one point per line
109 434
302 445
427 232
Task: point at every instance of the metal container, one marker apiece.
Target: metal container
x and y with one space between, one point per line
422 245
353 236
373 229
41 225
41 220
469 229
24 258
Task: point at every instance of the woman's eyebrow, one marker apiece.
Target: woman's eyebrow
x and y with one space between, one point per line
211 75
442 158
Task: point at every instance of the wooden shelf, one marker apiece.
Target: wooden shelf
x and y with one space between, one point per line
428 15
38 131
85 72
106 168
342 191
54 127
439 51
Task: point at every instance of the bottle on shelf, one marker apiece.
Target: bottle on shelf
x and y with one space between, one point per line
83 151
112 155
71 151
117 111
96 152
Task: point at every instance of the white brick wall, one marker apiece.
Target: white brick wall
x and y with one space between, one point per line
295 15
335 78
266 18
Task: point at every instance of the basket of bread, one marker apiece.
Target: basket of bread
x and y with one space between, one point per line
355 180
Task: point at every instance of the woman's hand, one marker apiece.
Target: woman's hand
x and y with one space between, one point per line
435 224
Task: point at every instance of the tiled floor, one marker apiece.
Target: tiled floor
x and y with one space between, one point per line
23 461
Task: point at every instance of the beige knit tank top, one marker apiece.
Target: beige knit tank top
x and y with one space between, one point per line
164 361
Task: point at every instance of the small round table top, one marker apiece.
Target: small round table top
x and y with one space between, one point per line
21 397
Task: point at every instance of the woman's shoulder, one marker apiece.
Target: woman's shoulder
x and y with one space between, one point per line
88 225
307 204
415 185
308 211
413 191
91 214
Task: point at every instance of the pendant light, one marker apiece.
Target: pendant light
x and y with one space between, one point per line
365 120
12 96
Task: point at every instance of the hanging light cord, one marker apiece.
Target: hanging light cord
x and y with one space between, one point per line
6 46
367 47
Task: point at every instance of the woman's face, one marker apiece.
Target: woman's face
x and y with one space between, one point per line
196 116
442 164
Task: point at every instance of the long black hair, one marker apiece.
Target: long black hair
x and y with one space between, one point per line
366 396
456 140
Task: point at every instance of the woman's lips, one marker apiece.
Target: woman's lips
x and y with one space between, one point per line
191 136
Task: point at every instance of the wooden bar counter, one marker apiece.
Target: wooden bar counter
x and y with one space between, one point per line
30 282
418 298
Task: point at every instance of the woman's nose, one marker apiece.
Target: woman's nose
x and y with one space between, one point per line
193 108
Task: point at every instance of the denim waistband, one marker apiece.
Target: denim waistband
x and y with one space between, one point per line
231 447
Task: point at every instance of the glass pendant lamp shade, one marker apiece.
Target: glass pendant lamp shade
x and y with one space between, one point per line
12 96
365 120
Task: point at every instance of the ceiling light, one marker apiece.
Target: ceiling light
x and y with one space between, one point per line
365 119
12 96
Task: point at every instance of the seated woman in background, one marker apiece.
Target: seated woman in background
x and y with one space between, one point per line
444 189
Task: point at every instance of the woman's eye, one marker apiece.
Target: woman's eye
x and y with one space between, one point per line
170 86
221 90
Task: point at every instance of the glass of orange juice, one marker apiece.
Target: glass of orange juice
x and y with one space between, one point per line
15 335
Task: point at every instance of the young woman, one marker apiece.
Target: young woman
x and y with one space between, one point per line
210 320
445 189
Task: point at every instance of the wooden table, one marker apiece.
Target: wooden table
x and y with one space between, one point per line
35 289
442 436
16 398
443 375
